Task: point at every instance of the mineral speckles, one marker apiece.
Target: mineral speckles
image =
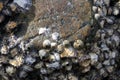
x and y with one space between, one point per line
64 16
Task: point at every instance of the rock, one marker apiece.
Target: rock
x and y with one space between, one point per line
66 19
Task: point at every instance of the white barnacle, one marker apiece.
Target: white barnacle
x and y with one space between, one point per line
44 30
97 16
46 43
55 36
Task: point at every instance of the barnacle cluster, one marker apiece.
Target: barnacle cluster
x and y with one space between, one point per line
48 56
9 10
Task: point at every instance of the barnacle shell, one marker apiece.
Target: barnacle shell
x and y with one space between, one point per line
55 36
68 52
54 57
60 48
78 44
46 43
84 61
86 69
66 43
17 61
10 70
53 44
4 49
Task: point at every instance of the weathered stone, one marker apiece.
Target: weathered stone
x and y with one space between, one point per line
66 17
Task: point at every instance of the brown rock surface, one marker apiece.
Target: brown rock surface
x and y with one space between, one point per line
63 16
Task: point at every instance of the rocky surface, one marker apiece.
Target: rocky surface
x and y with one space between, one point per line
59 40
66 17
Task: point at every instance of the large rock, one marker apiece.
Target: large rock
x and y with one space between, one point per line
64 16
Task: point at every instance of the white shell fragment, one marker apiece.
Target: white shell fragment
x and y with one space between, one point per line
55 36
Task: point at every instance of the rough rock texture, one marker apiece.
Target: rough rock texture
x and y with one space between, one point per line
64 16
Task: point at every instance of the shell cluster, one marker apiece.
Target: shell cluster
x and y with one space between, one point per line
47 56
10 9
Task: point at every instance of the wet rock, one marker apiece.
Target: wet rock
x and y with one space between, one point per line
65 20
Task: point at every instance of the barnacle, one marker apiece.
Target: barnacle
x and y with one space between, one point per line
10 10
